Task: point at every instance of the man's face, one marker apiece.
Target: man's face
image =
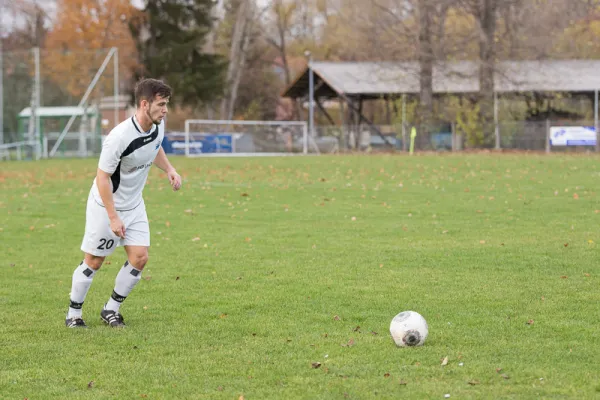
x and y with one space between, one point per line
157 109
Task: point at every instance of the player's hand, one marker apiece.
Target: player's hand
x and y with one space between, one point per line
174 179
117 226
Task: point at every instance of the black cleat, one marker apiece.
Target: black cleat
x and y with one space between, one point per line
112 318
75 322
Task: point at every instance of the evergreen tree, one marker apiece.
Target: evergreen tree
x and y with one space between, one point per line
170 38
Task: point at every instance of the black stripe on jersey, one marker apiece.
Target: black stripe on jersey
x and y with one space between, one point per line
135 125
133 146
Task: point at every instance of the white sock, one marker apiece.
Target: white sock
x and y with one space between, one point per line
82 280
126 280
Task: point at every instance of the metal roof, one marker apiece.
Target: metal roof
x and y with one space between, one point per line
374 79
65 111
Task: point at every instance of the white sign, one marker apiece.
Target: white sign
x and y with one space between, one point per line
573 136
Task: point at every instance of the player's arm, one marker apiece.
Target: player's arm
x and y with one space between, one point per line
105 190
163 163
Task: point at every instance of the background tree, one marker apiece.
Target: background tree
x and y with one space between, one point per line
81 35
170 38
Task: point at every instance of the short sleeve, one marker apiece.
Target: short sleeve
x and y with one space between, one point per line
110 156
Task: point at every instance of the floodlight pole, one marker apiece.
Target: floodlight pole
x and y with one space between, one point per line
116 86
83 100
38 126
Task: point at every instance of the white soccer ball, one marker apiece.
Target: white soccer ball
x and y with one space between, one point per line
409 328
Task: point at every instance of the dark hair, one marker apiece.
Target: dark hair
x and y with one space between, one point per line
147 89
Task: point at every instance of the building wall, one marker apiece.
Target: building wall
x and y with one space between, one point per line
108 118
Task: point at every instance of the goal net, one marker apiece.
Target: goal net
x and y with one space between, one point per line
213 137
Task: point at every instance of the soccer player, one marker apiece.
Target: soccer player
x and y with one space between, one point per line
116 214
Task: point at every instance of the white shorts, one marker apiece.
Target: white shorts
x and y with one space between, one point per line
99 240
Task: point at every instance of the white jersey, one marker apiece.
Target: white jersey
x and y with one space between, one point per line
127 154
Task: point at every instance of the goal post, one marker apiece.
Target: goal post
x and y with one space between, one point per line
251 138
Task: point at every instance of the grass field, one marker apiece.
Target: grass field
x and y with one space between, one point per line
261 267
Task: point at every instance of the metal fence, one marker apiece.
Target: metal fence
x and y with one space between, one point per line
513 135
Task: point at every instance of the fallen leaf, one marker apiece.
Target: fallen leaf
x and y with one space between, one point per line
144 396
575 196
220 388
31 228
90 384
498 370
473 382
566 244
349 344
316 364
586 274
336 318
188 211
357 329
244 195
564 277
482 242
445 361
177 278
402 382
530 322
168 224
241 397
374 333
386 375
248 239
195 239
505 376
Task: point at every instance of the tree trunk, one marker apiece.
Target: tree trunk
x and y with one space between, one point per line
426 64
487 22
237 57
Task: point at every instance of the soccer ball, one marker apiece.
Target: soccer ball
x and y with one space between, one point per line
409 328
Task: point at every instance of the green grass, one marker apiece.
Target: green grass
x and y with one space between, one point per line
260 267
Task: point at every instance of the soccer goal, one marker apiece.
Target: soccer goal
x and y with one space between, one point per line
243 138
